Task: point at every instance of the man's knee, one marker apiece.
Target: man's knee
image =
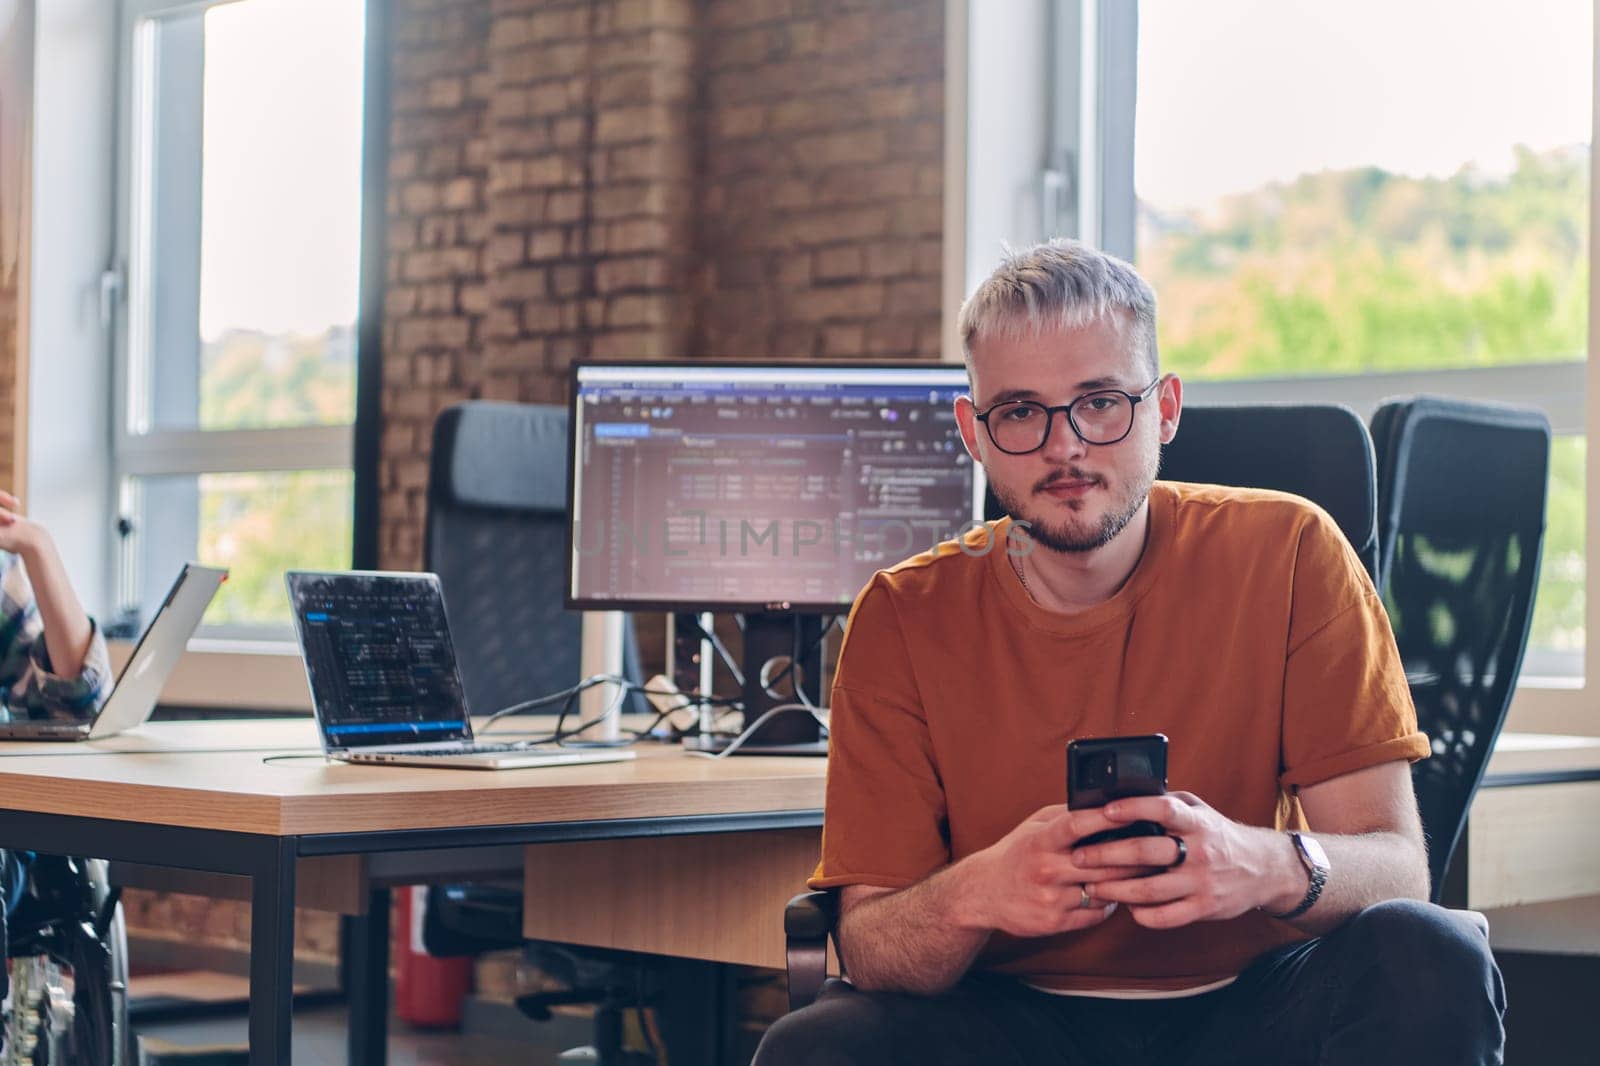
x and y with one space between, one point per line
843 1028
1440 957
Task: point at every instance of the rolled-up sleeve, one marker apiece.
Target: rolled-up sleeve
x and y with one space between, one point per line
1346 703
31 687
76 697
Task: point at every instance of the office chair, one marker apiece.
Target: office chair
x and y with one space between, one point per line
1461 488
1319 451
68 915
1311 450
497 537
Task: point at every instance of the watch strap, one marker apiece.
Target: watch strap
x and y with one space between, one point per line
1318 874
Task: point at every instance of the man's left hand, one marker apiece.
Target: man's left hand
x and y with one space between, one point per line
1227 868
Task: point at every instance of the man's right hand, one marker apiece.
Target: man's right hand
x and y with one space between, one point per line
1025 884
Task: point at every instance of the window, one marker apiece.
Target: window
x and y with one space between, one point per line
240 239
1340 202
1368 199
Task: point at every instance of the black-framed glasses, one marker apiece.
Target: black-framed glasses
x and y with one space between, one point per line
1104 416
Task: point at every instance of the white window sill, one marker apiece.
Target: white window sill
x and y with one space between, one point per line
259 675
268 675
1554 705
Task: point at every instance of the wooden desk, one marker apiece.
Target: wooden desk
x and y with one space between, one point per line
200 796
712 847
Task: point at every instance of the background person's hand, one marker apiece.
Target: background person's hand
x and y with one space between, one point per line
18 534
1228 869
1027 884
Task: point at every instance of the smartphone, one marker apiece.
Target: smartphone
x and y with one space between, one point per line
1111 768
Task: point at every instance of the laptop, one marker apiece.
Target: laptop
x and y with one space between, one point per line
145 674
384 680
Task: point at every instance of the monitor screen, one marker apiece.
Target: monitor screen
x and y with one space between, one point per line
723 486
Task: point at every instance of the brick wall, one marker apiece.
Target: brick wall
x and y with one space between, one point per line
168 926
649 179
822 184
437 294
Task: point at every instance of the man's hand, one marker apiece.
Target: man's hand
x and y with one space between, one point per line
922 938
1229 868
1027 883
18 534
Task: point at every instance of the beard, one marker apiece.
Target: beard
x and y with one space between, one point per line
1076 535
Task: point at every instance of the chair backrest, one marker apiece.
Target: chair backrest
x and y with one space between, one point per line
1462 489
1319 451
496 536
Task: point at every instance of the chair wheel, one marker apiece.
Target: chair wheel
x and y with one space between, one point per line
579 1056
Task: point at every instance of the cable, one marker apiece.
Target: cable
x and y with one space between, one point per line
567 696
562 696
296 755
750 730
721 649
797 657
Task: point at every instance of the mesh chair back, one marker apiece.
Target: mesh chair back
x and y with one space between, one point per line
1318 451
1462 497
496 536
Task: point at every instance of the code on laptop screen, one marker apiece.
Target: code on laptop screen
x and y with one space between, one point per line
379 658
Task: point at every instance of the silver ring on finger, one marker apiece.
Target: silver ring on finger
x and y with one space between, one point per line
1085 901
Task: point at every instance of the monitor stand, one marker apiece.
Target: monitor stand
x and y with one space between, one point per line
771 638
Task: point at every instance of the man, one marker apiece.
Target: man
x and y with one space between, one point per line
53 661
1278 920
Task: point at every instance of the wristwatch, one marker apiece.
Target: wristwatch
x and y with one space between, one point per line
1315 860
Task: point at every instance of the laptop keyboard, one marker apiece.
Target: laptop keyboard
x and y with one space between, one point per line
475 749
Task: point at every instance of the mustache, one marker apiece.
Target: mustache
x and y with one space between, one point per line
1059 475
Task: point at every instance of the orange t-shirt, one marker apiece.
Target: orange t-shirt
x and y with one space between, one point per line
1249 634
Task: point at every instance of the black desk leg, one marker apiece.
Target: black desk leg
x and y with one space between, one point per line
368 989
272 954
699 1012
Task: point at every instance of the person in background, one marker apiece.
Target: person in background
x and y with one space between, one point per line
53 660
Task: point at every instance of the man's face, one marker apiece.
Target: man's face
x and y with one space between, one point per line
1076 497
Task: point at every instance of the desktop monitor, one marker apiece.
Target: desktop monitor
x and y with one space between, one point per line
774 490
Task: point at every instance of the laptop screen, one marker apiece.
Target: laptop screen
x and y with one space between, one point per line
379 658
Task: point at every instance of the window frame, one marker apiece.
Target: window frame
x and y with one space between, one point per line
153 451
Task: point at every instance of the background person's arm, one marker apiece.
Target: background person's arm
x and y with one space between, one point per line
67 630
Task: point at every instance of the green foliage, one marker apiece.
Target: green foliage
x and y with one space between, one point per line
1360 270
251 380
261 524
1558 615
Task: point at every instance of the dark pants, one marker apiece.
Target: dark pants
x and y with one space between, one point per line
1401 982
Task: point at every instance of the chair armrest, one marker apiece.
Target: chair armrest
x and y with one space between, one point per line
808 921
